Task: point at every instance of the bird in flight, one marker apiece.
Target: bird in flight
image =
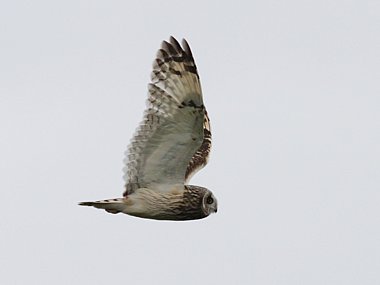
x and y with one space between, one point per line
170 145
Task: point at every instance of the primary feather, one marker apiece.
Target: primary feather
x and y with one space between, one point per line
166 147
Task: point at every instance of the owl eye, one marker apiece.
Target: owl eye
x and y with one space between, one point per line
210 200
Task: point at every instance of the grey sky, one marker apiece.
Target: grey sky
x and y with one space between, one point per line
292 89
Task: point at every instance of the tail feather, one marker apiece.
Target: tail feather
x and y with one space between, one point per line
113 206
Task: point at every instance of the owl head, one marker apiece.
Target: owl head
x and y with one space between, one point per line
197 203
209 203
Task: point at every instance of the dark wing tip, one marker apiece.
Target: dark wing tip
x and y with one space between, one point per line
168 48
174 48
176 45
187 48
162 54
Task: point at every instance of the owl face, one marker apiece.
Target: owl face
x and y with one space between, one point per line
209 203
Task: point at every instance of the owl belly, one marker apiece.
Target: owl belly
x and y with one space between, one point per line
150 204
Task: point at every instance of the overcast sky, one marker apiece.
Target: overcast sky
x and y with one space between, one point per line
293 93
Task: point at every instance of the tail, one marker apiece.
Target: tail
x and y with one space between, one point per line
113 206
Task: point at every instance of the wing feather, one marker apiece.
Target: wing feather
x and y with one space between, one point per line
201 157
172 129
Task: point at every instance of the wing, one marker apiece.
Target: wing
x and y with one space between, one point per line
200 158
172 128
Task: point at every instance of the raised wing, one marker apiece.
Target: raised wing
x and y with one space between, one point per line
172 129
200 158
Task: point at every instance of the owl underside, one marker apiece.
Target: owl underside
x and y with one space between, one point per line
146 203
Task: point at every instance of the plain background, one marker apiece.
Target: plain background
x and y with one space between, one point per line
293 93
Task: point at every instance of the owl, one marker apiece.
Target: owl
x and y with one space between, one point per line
170 145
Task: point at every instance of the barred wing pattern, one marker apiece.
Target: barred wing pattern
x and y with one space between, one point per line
170 139
201 157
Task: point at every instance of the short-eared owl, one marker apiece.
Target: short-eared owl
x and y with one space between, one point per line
170 145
